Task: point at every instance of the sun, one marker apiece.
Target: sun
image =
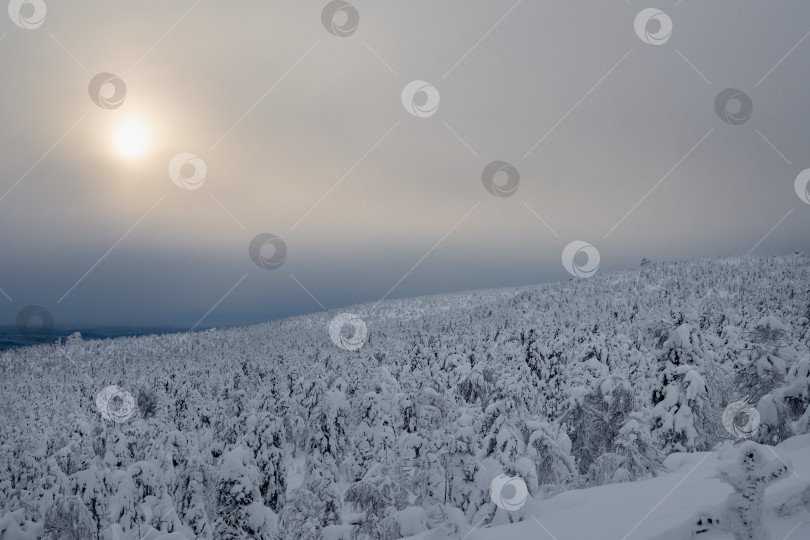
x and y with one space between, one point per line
131 139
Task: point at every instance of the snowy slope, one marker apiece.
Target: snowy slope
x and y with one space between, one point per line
662 508
295 429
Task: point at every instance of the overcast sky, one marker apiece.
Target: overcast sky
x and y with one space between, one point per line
305 136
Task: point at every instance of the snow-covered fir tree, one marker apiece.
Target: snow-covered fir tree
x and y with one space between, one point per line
273 431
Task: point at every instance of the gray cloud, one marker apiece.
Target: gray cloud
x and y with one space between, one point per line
293 134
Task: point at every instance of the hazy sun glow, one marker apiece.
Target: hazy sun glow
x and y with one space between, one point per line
131 139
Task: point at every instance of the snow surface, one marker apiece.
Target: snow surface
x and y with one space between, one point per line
662 508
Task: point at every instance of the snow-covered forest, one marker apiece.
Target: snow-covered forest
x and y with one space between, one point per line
441 416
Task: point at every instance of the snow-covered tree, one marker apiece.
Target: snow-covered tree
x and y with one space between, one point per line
684 417
296 520
459 462
785 411
69 519
595 417
749 473
194 483
641 458
549 449
371 503
766 368
265 437
238 499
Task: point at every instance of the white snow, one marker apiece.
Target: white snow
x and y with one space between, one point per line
577 390
662 508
